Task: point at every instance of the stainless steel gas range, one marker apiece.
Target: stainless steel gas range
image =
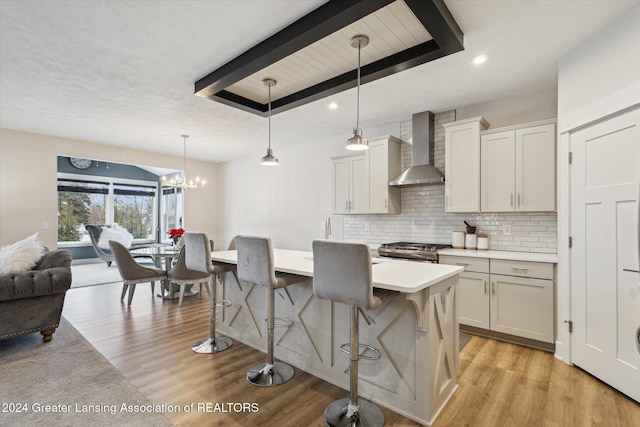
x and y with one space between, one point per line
410 250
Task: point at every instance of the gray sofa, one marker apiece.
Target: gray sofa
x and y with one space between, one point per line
32 301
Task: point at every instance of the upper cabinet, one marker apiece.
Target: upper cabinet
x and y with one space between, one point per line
518 169
511 169
350 188
384 165
462 164
361 181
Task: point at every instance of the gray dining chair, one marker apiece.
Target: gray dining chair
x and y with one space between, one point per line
182 276
198 258
255 265
133 273
342 273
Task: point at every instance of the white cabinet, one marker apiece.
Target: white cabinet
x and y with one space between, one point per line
384 165
518 169
361 181
350 187
462 164
510 297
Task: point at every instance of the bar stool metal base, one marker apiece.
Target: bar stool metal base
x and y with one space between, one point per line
269 375
212 345
343 413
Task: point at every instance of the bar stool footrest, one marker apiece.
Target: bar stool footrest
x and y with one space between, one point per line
280 322
376 354
224 303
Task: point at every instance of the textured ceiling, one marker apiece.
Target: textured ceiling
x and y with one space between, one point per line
123 72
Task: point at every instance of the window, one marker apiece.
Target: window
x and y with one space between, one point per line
104 200
134 208
80 203
171 208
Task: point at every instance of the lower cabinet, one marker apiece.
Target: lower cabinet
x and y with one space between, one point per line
520 303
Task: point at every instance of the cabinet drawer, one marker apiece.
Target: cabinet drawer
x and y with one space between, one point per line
540 270
480 265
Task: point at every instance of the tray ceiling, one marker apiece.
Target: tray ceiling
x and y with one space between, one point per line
312 58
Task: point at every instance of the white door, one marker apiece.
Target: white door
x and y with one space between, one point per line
605 285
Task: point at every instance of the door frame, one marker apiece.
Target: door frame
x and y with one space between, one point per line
615 104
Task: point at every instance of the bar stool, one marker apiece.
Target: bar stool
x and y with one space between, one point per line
342 273
255 265
198 258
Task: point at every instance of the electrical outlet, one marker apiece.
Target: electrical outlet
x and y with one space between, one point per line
506 229
44 225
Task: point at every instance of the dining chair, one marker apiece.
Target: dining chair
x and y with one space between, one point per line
182 276
133 273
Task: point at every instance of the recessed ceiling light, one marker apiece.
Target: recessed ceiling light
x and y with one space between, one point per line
480 59
333 105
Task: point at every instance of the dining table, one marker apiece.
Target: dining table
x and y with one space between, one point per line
163 257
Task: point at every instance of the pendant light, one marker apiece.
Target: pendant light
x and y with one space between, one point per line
269 159
178 181
357 141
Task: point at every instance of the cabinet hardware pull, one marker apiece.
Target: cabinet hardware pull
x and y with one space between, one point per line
462 264
346 204
630 270
493 288
385 203
511 199
485 286
516 269
518 200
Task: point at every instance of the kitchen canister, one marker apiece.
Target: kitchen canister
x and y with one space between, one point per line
457 239
483 242
471 241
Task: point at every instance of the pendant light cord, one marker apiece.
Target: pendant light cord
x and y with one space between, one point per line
269 117
358 103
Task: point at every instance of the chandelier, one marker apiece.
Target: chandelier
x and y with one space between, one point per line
180 179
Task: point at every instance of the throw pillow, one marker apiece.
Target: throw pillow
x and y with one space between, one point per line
114 234
22 255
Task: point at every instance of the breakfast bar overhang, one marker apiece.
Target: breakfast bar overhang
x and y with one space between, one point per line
416 330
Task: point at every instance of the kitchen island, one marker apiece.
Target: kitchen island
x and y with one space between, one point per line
416 330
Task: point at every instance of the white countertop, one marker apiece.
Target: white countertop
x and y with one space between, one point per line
395 275
509 255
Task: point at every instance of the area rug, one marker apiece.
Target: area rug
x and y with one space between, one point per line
67 382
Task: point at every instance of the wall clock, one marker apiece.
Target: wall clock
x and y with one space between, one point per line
80 163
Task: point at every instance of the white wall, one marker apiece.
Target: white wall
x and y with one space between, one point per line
28 183
599 78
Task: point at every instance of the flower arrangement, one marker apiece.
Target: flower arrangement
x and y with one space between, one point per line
175 234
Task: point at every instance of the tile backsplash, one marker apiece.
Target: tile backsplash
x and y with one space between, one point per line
423 218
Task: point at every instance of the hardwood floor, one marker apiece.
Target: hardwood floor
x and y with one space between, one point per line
150 344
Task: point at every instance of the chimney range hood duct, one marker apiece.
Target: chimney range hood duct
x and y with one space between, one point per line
422 171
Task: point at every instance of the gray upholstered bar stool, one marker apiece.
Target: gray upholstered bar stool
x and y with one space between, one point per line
255 265
342 273
198 258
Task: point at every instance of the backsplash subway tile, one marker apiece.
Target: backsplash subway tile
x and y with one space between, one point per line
423 218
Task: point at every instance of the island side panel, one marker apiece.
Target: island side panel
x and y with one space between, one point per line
402 380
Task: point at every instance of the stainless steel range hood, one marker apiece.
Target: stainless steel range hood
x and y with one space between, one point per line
422 171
